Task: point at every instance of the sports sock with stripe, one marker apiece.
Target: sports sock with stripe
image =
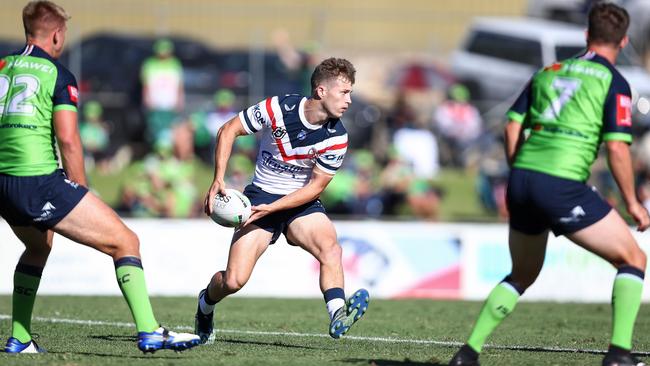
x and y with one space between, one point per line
334 300
498 305
26 281
626 300
130 277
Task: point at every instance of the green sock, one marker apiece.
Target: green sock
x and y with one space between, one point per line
26 281
130 277
626 300
498 305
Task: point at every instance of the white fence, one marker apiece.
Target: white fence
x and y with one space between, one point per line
391 260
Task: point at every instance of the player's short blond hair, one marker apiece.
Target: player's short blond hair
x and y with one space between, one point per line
332 68
43 16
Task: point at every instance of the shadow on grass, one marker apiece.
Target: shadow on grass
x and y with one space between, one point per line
115 338
404 362
164 355
273 344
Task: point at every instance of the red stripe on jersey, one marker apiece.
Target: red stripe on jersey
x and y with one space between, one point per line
278 142
285 156
623 110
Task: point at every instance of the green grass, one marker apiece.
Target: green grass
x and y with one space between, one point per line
578 326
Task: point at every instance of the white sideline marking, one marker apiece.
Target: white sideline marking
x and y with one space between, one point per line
317 335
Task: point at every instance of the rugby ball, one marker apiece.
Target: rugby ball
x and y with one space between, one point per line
230 210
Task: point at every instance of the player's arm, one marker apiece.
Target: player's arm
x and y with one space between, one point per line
514 137
67 135
620 163
514 131
225 139
311 191
617 134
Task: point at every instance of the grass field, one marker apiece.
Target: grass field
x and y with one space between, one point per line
98 331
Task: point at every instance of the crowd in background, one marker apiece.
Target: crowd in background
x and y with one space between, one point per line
393 173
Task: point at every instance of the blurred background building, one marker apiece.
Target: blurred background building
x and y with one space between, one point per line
158 78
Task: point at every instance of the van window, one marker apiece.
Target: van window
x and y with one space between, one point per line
566 52
506 47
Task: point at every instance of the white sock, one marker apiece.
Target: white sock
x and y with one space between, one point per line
205 307
333 305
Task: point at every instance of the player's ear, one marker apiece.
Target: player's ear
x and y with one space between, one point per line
321 91
624 41
56 37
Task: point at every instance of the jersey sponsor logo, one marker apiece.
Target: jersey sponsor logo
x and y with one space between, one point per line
623 110
279 167
20 63
74 93
302 135
289 109
332 157
257 114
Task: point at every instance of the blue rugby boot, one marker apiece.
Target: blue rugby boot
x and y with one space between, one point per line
15 346
355 307
163 338
204 324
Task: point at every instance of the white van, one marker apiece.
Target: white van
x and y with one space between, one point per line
499 55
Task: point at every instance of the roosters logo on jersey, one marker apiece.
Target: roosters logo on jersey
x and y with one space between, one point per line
279 132
623 110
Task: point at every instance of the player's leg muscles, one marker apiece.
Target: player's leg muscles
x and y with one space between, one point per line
248 245
527 253
27 278
96 225
611 239
315 233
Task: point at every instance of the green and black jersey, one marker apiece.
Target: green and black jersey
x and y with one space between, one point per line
32 87
570 107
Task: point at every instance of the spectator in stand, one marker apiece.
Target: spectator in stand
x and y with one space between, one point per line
94 136
162 90
415 145
164 186
299 63
100 150
458 124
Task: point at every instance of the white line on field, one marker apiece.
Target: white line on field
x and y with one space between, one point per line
316 335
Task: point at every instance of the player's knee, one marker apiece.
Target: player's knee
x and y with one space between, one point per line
629 255
126 244
523 280
635 258
331 253
38 251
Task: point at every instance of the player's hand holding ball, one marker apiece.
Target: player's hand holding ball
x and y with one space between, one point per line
230 209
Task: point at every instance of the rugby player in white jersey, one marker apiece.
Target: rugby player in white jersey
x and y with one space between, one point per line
303 144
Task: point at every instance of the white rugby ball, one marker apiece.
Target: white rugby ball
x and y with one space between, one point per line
230 210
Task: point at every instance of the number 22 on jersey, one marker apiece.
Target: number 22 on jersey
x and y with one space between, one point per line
15 94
